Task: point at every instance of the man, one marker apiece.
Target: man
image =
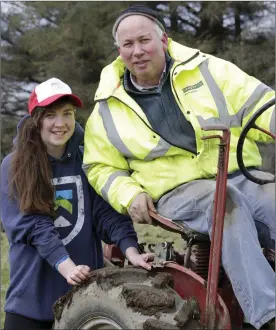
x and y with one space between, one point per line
143 147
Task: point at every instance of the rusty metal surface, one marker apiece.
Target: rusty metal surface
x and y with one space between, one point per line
114 255
166 223
218 222
190 285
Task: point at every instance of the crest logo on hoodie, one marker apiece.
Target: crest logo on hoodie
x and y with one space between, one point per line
64 201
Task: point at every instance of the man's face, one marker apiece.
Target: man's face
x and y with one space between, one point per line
141 49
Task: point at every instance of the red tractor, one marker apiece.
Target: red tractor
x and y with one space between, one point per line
182 291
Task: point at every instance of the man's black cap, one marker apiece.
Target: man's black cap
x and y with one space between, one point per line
140 10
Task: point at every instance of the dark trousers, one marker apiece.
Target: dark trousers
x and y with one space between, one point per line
15 322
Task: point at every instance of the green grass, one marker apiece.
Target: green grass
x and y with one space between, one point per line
152 234
4 274
146 233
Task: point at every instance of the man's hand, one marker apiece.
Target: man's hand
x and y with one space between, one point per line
139 208
139 260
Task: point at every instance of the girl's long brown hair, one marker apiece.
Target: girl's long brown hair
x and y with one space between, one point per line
30 172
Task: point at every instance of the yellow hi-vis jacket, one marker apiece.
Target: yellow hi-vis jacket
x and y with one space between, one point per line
123 156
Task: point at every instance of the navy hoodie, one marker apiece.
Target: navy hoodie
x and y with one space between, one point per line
37 241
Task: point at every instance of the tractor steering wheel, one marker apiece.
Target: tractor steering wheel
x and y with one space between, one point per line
252 124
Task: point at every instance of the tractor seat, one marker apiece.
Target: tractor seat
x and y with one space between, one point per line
192 235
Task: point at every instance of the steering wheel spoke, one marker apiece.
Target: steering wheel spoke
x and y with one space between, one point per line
263 130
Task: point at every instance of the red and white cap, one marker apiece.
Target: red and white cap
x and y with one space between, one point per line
48 92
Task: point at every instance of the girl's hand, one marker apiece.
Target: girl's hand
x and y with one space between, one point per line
139 260
78 274
73 274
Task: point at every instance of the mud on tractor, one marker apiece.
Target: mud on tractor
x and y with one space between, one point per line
188 290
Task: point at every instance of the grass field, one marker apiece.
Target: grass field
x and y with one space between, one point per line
4 273
145 233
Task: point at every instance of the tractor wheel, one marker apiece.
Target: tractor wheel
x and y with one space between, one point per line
125 298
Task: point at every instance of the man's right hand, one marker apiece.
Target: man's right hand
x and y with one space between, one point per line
139 208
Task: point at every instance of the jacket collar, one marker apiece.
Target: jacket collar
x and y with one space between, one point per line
112 74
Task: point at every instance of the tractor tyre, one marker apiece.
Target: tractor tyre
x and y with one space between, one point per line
125 298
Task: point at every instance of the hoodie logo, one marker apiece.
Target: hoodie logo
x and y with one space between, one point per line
70 221
63 199
190 89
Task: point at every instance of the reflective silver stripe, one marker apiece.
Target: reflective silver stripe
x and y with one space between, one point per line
224 116
232 121
214 120
217 96
86 168
109 182
112 132
272 122
254 98
159 150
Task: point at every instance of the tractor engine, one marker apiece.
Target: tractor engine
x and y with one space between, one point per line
194 257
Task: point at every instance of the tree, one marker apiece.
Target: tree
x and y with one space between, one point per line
72 41
69 40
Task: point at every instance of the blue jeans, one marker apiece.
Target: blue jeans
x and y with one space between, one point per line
249 221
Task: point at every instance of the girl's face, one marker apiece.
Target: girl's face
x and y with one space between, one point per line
57 127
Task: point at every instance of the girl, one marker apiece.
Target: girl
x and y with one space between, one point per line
53 218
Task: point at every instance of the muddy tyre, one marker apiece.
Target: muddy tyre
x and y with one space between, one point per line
125 298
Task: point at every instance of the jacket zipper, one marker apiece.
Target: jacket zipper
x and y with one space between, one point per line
190 59
182 63
178 100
